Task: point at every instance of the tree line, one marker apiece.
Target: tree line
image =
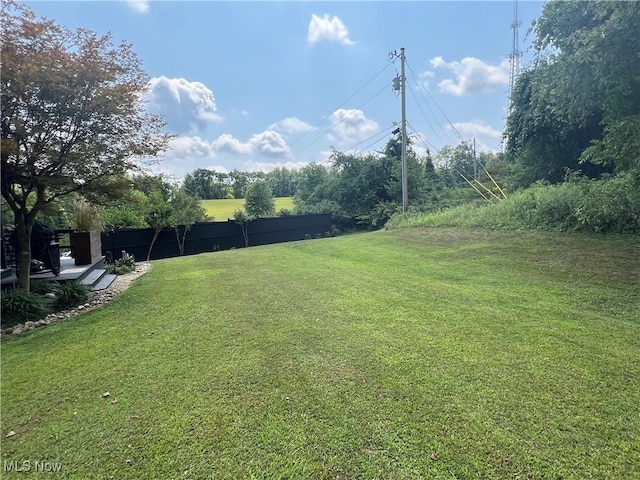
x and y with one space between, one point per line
208 184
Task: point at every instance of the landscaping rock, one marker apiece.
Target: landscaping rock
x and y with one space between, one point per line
96 300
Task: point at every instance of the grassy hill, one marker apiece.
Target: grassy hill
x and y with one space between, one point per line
223 209
407 354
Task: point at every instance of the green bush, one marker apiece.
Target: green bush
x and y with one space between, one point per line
71 294
125 264
19 306
611 205
42 287
127 260
116 269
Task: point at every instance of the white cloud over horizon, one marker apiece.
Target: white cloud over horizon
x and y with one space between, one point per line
269 143
187 107
471 75
327 28
350 126
291 125
263 151
140 6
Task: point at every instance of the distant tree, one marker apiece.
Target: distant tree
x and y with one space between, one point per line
458 159
199 183
311 180
207 184
239 183
72 116
282 182
149 184
259 200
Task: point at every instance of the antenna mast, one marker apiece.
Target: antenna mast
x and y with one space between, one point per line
515 58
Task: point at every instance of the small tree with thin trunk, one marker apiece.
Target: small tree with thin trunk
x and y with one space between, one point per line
186 210
158 217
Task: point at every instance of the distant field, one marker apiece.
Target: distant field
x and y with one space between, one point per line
223 209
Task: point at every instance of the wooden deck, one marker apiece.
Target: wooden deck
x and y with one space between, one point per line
93 275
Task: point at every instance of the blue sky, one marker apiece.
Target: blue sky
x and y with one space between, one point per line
258 85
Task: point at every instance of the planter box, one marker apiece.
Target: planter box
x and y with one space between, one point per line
86 247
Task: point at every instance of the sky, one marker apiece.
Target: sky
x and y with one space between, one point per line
255 86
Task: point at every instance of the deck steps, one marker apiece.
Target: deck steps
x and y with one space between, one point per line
93 276
104 282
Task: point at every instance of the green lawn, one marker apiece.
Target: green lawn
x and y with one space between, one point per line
223 209
408 354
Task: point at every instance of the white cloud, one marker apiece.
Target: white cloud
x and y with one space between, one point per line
471 75
262 152
291 125
187 106
331 29
270 143
350 126
475 129
228 143
140 6
184 155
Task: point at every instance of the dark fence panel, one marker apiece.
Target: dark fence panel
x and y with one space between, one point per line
212 236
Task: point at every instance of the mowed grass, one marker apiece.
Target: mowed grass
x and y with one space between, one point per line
409 354
223 209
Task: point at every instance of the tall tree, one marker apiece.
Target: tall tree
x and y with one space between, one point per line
199 183
72 116
282 182
580 101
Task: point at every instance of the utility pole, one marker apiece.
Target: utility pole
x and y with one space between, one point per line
400 84
403 83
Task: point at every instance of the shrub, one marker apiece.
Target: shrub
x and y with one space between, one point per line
19 306
611 205
127 260
603 206
125 264
42 287
115 269
71 294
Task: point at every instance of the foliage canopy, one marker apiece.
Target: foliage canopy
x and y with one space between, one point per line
72 116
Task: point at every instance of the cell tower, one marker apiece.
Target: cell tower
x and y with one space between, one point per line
515 58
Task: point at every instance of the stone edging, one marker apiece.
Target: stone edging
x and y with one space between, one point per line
96 300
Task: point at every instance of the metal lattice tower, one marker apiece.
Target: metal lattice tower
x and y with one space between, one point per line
515 58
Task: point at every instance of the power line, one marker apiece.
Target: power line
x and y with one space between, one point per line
425 117
339 106
340 122
381 133
439 108
422 138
